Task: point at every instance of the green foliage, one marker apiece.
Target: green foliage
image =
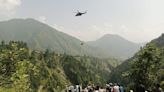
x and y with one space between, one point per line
23 77
9 55
80 70
120 74
24 70
150 58
145 66
2 89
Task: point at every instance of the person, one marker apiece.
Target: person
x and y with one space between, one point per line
116 88
158 88
108 88
97 89
121 89
85 90
69 89
101 89
72 88
78 88
90 89
140 88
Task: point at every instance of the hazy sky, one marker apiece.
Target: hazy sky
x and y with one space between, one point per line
135 20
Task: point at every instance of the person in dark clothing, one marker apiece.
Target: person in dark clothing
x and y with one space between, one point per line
140 88
97 88
90 90
108 89
158 88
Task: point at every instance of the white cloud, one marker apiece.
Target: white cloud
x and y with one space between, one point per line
137 35
59 27
145 34
42 19
8 7
92 33
133 34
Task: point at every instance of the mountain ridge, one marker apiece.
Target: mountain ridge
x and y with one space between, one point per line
41 36
116 45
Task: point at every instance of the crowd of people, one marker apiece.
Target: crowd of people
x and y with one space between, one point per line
91 88
71 88
111 88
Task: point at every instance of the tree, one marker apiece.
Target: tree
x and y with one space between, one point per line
22 78
9 55
145 66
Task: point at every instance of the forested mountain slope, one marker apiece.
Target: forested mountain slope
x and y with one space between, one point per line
29 70
40 36
121 72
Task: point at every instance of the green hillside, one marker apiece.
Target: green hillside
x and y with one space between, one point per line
116 46
32 71
40 36
151 55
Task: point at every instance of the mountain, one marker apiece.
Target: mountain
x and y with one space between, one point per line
40 36
116 45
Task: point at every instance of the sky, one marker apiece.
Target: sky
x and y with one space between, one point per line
136 20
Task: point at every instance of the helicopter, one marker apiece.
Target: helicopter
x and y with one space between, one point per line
80 13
